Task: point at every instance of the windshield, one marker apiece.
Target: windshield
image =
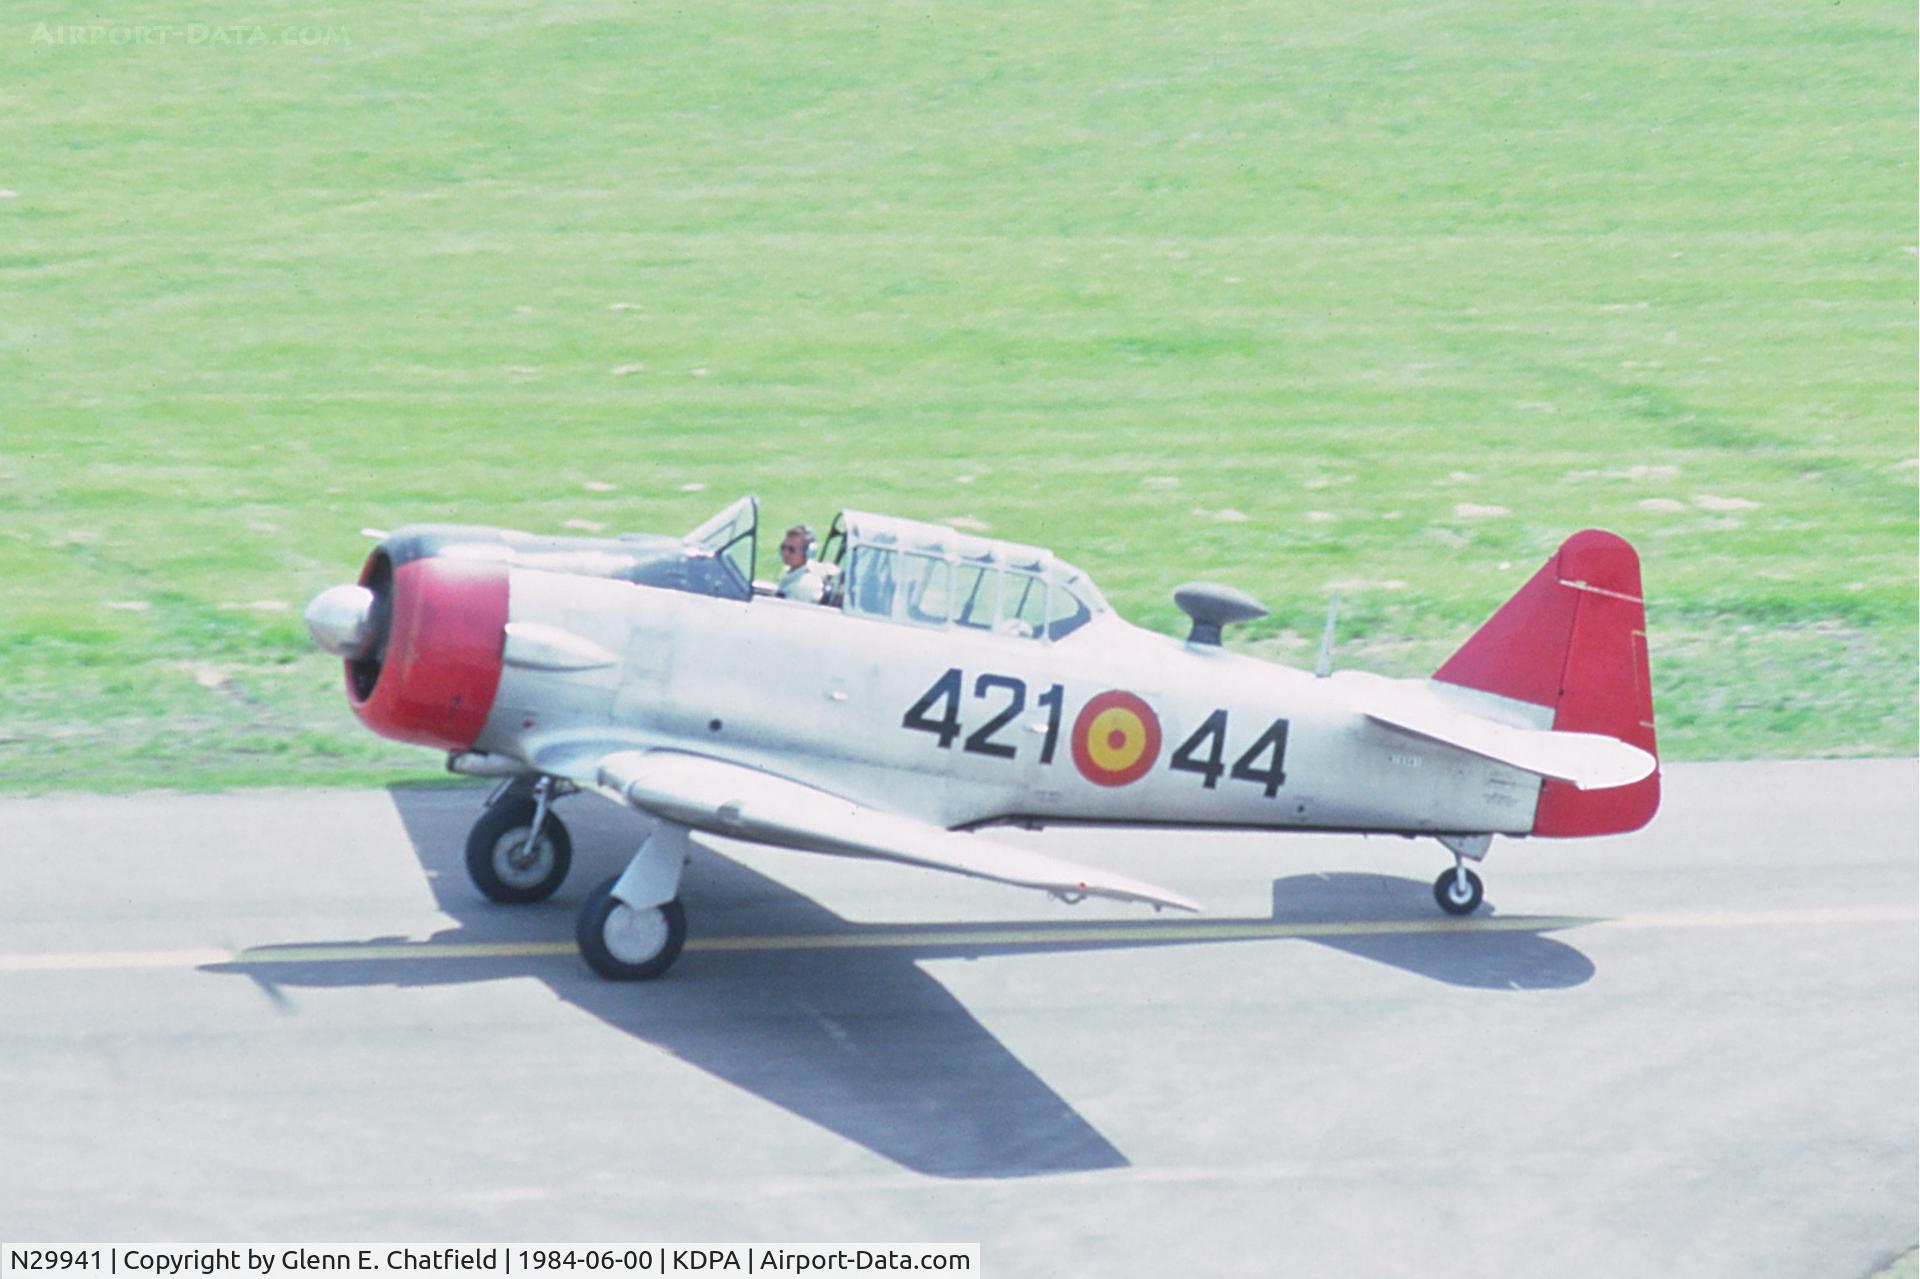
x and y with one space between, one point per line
731 537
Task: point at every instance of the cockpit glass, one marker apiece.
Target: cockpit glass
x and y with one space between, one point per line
1023 604
731 539
1068 612
927 582
723 528
976 595
929 575
869 581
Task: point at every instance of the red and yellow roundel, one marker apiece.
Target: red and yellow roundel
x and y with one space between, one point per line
1116 739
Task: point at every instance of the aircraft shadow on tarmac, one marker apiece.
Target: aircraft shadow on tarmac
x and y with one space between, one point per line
850 1031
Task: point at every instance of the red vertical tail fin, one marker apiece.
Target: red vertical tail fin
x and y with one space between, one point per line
1574 639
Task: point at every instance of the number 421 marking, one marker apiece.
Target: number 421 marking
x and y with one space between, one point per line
945 694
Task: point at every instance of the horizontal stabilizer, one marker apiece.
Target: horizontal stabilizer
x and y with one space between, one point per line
743 803
1590 761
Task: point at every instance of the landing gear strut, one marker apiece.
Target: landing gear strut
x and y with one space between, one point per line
519 851
632 927
624 944
1459 891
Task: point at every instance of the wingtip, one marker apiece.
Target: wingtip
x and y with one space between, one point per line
1161 899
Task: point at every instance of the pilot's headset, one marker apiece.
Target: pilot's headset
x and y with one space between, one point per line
805 533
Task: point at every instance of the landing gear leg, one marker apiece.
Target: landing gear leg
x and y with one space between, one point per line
1459 891
519 851
632 927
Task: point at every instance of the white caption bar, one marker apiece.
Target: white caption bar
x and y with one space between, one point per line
482 1261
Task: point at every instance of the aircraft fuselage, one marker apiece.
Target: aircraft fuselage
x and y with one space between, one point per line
962 727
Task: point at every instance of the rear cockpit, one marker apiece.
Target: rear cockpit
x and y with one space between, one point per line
929 575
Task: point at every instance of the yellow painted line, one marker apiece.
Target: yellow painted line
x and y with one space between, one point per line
112 959
1102 934
386 951
948 936
1251 930
1769 918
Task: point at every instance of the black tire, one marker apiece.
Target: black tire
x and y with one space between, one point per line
623 944
495 849
1446 891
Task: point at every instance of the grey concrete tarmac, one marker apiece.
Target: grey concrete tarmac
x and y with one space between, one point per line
286 1016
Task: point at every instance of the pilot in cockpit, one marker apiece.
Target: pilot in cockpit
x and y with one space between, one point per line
806 579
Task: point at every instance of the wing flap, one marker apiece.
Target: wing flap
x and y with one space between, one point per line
744 803
1589 761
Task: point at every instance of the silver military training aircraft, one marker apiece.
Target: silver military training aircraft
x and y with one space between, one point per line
944 682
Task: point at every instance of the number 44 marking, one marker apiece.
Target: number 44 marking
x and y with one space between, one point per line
1205 751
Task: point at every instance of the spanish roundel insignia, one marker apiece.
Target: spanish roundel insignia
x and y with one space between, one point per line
1116 739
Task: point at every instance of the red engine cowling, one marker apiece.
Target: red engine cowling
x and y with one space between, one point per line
433 672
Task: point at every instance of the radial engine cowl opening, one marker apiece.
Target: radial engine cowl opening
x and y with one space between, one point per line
422 641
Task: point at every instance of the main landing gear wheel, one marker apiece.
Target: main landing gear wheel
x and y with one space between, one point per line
1455 897
624 944
505 865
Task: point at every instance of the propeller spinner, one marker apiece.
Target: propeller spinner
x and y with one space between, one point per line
340 619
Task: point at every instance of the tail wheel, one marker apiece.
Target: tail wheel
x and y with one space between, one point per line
505 865
1457 897
622 943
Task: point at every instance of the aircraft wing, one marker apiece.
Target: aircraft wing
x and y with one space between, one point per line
1590 761
720 798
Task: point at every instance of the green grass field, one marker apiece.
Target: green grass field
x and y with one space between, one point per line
1287 295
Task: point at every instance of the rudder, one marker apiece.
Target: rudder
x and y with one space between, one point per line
1574 639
